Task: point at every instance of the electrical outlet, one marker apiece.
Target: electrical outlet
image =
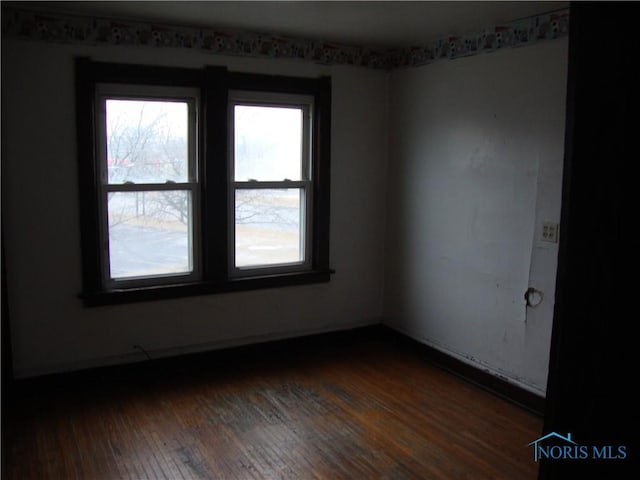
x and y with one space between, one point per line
549 232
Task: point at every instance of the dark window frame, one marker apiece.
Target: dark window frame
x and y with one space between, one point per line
214 84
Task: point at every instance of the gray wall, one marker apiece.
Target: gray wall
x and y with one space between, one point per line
50 328
475 160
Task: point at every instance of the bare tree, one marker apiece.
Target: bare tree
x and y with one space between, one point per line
143 146
260 206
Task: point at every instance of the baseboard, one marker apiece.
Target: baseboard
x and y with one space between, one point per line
160 363
327 341
486 380
142 356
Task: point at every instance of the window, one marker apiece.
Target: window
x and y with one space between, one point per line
200 181
271 197
148 189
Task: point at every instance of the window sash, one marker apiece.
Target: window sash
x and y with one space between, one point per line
193 244
305 230
275 100
190 96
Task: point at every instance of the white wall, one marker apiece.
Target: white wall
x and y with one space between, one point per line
473 168
476 151
52 331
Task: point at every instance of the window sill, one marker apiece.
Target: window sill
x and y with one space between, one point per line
165 292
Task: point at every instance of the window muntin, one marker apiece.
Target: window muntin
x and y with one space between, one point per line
148 193
271 186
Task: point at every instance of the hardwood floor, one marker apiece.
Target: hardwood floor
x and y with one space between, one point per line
347 407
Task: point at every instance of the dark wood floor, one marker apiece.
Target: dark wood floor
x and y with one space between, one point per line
354 407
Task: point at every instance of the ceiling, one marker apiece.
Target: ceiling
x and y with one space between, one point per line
381 24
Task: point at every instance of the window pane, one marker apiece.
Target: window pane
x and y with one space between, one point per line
149 233
269 226
268 143
147 141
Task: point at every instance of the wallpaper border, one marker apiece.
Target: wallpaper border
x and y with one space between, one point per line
84 30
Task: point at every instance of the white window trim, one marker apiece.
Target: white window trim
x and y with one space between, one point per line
191 96
270 99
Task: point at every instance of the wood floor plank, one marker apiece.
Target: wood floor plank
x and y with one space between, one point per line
364 409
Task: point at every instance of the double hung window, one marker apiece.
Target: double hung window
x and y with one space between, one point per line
271 195
148 190
200 181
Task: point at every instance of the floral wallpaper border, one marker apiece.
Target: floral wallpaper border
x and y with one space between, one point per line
63 28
